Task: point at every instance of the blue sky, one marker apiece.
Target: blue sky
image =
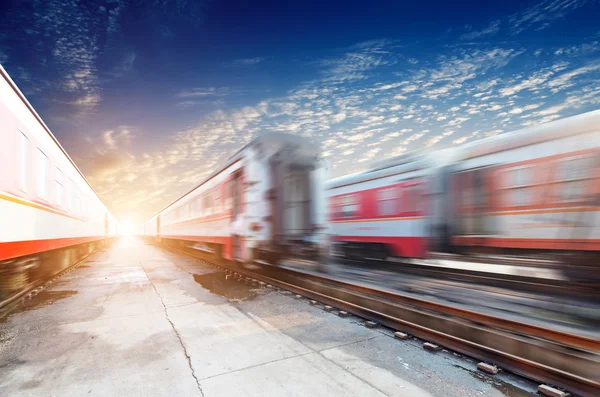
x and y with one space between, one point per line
150 96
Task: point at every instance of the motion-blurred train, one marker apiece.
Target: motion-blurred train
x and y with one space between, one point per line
531 193
49 215
267 202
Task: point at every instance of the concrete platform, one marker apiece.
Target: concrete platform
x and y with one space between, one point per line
136 320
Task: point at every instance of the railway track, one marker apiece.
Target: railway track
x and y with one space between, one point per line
561 359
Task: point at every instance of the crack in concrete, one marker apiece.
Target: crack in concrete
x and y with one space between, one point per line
185 352
233 371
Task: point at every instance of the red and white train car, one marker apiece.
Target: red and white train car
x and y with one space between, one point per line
386 211
45 202
266 202
535 190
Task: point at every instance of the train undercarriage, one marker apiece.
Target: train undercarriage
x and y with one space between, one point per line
22 273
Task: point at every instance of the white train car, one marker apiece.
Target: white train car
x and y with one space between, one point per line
265 203
45 202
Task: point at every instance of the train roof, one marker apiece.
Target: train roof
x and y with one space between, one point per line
269 140
406 162
574 125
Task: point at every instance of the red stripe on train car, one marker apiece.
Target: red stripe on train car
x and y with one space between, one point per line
15 249
410 247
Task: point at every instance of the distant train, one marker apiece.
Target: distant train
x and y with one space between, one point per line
532 192
266 202
50 215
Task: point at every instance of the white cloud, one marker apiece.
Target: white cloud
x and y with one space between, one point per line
354 64
541 15
493 28
565 80
410 88
460 140
337 118
386 87
550 110
119 138
579 50
519 110
88 101
3 57
246 61
203 92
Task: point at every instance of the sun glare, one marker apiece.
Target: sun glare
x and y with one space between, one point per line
126 229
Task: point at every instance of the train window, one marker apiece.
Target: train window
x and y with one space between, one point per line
418 198
410 199
574 168
207 204
42 178
388 201
519 181
78 208
217 199
24 151
228 195
197 206
349 206
572 177
60 187
69 193
466 196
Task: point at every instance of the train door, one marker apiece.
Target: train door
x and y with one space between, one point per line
273 195
296 222
480 200
473 201
442 210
